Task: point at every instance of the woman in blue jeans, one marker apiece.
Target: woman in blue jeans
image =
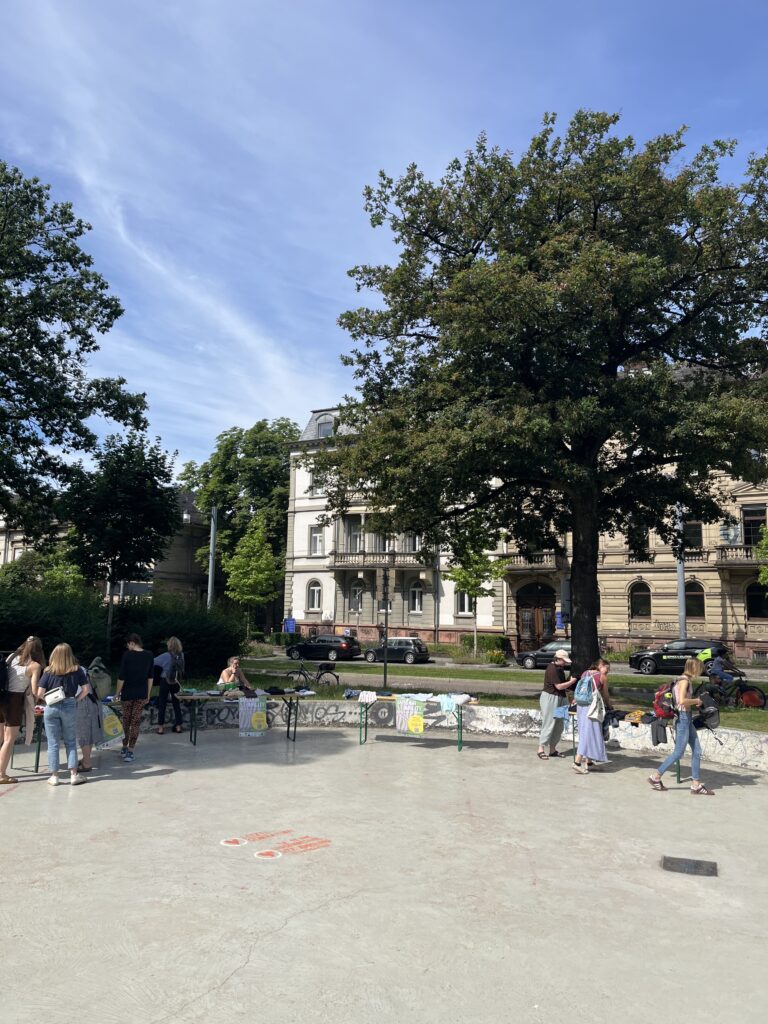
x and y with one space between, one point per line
685 732
60 718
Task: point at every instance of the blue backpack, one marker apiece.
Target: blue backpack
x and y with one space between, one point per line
584 689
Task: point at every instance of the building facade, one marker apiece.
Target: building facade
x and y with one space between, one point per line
335 578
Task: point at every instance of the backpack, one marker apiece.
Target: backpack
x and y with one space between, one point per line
664 702
584 688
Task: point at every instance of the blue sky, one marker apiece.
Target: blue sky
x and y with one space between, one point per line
220 148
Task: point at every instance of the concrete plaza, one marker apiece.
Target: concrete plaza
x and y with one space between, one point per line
398 881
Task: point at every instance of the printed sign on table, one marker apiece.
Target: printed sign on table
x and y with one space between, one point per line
253 716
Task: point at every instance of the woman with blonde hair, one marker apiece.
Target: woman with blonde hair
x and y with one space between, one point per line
685 731
25 666
61 686
169 669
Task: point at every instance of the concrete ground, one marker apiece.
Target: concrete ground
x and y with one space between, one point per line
415 883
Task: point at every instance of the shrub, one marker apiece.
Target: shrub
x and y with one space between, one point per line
496 658
79 619
485 642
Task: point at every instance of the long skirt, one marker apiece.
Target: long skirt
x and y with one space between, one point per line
591 742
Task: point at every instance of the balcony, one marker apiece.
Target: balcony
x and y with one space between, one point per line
373 560
736 554
647 559
532 560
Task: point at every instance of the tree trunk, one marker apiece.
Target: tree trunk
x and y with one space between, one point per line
585 645
474 629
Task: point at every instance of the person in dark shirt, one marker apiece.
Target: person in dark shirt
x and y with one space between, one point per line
134 685
556 681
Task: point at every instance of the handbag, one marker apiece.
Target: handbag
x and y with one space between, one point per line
597 707
55 696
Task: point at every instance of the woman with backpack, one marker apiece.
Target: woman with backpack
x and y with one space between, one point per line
61 686
591 748
685 731
169 669
24 668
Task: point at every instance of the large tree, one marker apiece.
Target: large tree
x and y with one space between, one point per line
53 305
572 342
254 573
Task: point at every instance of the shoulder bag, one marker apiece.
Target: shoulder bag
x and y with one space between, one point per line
597 707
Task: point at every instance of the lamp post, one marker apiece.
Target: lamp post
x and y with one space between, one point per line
212 558
389 563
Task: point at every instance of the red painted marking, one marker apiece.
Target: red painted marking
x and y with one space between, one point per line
267 854
233 842
303 844
260 837
8 789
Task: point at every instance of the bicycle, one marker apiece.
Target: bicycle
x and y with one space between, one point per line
324 676
736 694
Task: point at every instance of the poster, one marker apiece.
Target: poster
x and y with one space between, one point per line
253 716
409 716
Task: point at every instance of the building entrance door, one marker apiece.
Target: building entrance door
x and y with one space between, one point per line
535 616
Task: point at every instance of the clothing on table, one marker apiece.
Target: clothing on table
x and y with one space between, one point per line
554 674
447 702
367 696
685 735
135 670
658 731
132 711
70 683
551 727
591 742
60 724
90 731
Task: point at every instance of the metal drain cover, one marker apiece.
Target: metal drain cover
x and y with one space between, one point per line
686 866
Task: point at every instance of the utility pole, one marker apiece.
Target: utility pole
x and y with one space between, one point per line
212 559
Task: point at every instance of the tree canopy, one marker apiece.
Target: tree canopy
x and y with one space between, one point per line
53 305
571 342
254 573
123 513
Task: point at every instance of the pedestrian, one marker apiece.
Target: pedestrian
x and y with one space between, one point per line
134 685
168 670
25 666
61 686
556 682
685 731
90 727
591 748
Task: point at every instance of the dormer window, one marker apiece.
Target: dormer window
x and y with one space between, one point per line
325 426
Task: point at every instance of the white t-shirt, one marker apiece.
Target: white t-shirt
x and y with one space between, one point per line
18 680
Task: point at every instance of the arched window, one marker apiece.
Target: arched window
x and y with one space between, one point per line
356 592
639 601
325 426
757 601
314 596
416 597
694 600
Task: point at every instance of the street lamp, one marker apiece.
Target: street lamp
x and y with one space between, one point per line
389 563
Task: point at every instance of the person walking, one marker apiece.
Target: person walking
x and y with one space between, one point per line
556 682
25 666
591 748
168 670
685 731
61 686
134 685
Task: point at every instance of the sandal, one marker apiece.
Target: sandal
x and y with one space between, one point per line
555 753
83 768
6 780
657 784
701 791
160 730
178 728
542 756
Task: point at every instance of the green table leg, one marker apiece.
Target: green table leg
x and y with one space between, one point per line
460 722
363 726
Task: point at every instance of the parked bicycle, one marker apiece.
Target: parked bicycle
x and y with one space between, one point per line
735 694
324 676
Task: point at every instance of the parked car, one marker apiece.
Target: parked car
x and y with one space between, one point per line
325 647
672 657
544 655
399 648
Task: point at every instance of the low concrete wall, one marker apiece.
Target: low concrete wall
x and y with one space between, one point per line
740 749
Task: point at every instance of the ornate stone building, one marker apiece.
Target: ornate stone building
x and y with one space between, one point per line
334 578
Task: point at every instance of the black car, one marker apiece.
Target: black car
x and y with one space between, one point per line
673 656
326 647
544 655
399 648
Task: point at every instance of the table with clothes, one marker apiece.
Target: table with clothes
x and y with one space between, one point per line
411 709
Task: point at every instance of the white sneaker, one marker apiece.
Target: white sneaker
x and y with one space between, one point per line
76 780
54 780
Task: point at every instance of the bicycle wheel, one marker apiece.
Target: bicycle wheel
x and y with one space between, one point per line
298 678
751 697
711 688
327 679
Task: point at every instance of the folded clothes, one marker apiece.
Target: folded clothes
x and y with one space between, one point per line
350 694
368 696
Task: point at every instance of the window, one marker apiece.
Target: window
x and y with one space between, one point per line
753 519
465 605
416 598
382 543
639 601
315 489
757 601
354 536
692 536
694 600
316 540
413 542
314 596
356 592
325 426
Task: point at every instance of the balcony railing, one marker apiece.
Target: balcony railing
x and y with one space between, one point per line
646 559
532 560
735 553
373 559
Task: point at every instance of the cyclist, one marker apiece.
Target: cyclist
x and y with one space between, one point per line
722 671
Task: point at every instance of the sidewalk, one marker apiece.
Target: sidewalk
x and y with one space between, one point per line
415 884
